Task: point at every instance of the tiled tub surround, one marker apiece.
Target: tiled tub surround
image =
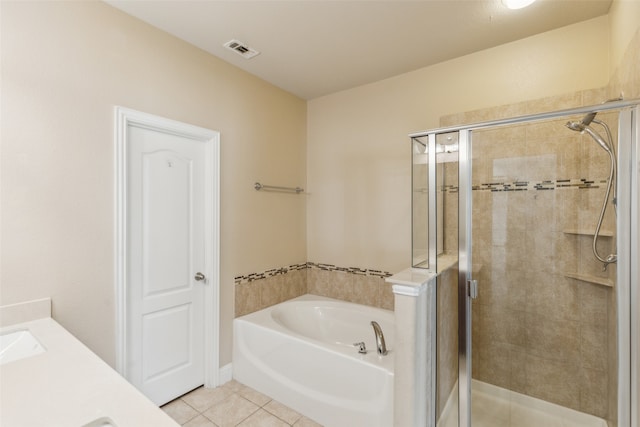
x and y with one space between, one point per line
360 286
256 291
537 192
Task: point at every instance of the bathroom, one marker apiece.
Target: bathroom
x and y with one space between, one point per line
349 150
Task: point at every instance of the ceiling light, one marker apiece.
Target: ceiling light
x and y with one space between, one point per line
517 4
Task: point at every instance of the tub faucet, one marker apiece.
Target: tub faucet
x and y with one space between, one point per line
362 348
380 344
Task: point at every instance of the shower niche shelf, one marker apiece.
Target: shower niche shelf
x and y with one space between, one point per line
603 281
585 232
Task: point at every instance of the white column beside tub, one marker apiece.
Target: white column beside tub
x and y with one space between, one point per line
415 361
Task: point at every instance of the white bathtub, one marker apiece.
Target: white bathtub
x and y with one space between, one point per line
301 353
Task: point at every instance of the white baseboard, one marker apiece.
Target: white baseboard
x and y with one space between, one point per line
225 374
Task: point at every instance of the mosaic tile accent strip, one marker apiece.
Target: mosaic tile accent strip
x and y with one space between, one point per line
539 185
351 270
449 189
319 266
269 273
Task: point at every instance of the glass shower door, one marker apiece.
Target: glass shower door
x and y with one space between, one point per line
543 325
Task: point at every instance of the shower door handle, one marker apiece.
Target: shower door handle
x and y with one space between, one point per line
200 277
472 289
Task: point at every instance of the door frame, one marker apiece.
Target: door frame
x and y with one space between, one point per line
123 118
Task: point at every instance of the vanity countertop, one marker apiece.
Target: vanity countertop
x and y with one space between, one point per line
69 386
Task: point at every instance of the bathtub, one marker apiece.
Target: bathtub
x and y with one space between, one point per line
301 353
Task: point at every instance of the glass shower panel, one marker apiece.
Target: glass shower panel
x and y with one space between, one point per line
447 200
544 322
420 203
426 253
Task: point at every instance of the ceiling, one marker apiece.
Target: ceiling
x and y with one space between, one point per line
316 47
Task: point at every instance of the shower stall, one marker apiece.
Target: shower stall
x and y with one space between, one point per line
531 224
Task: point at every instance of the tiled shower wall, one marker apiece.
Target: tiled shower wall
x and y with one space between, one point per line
536 330
447 338
537 193
256 291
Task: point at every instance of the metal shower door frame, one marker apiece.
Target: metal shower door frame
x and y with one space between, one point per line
627 233
464 276
628 276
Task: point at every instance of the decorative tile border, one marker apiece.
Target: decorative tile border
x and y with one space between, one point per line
256 291
351 270
581 183
538 185
449 189
269 273
309 265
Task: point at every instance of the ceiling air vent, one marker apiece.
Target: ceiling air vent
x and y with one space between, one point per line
241 49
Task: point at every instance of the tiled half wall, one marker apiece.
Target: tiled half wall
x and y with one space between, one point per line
256 291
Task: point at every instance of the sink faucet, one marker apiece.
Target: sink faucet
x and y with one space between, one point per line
380 344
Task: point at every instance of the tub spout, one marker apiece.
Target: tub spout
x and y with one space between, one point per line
380 344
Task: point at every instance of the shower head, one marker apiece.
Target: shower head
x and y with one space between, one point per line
577 126
582 124
582 127
588 118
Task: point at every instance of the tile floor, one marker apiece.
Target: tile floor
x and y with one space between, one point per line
233 404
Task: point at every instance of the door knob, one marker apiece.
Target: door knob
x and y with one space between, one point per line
199 276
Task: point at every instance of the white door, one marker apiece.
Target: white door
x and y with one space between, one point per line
167 263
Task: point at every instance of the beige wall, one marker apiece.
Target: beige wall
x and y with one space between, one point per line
624 20
358 164
625 47
64 66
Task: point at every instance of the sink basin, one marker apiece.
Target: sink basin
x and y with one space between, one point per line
101 422
18 345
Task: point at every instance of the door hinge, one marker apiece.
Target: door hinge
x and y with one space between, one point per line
472 288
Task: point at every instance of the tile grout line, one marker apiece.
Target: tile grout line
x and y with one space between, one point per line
275 415
245 418
186 403
238 392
